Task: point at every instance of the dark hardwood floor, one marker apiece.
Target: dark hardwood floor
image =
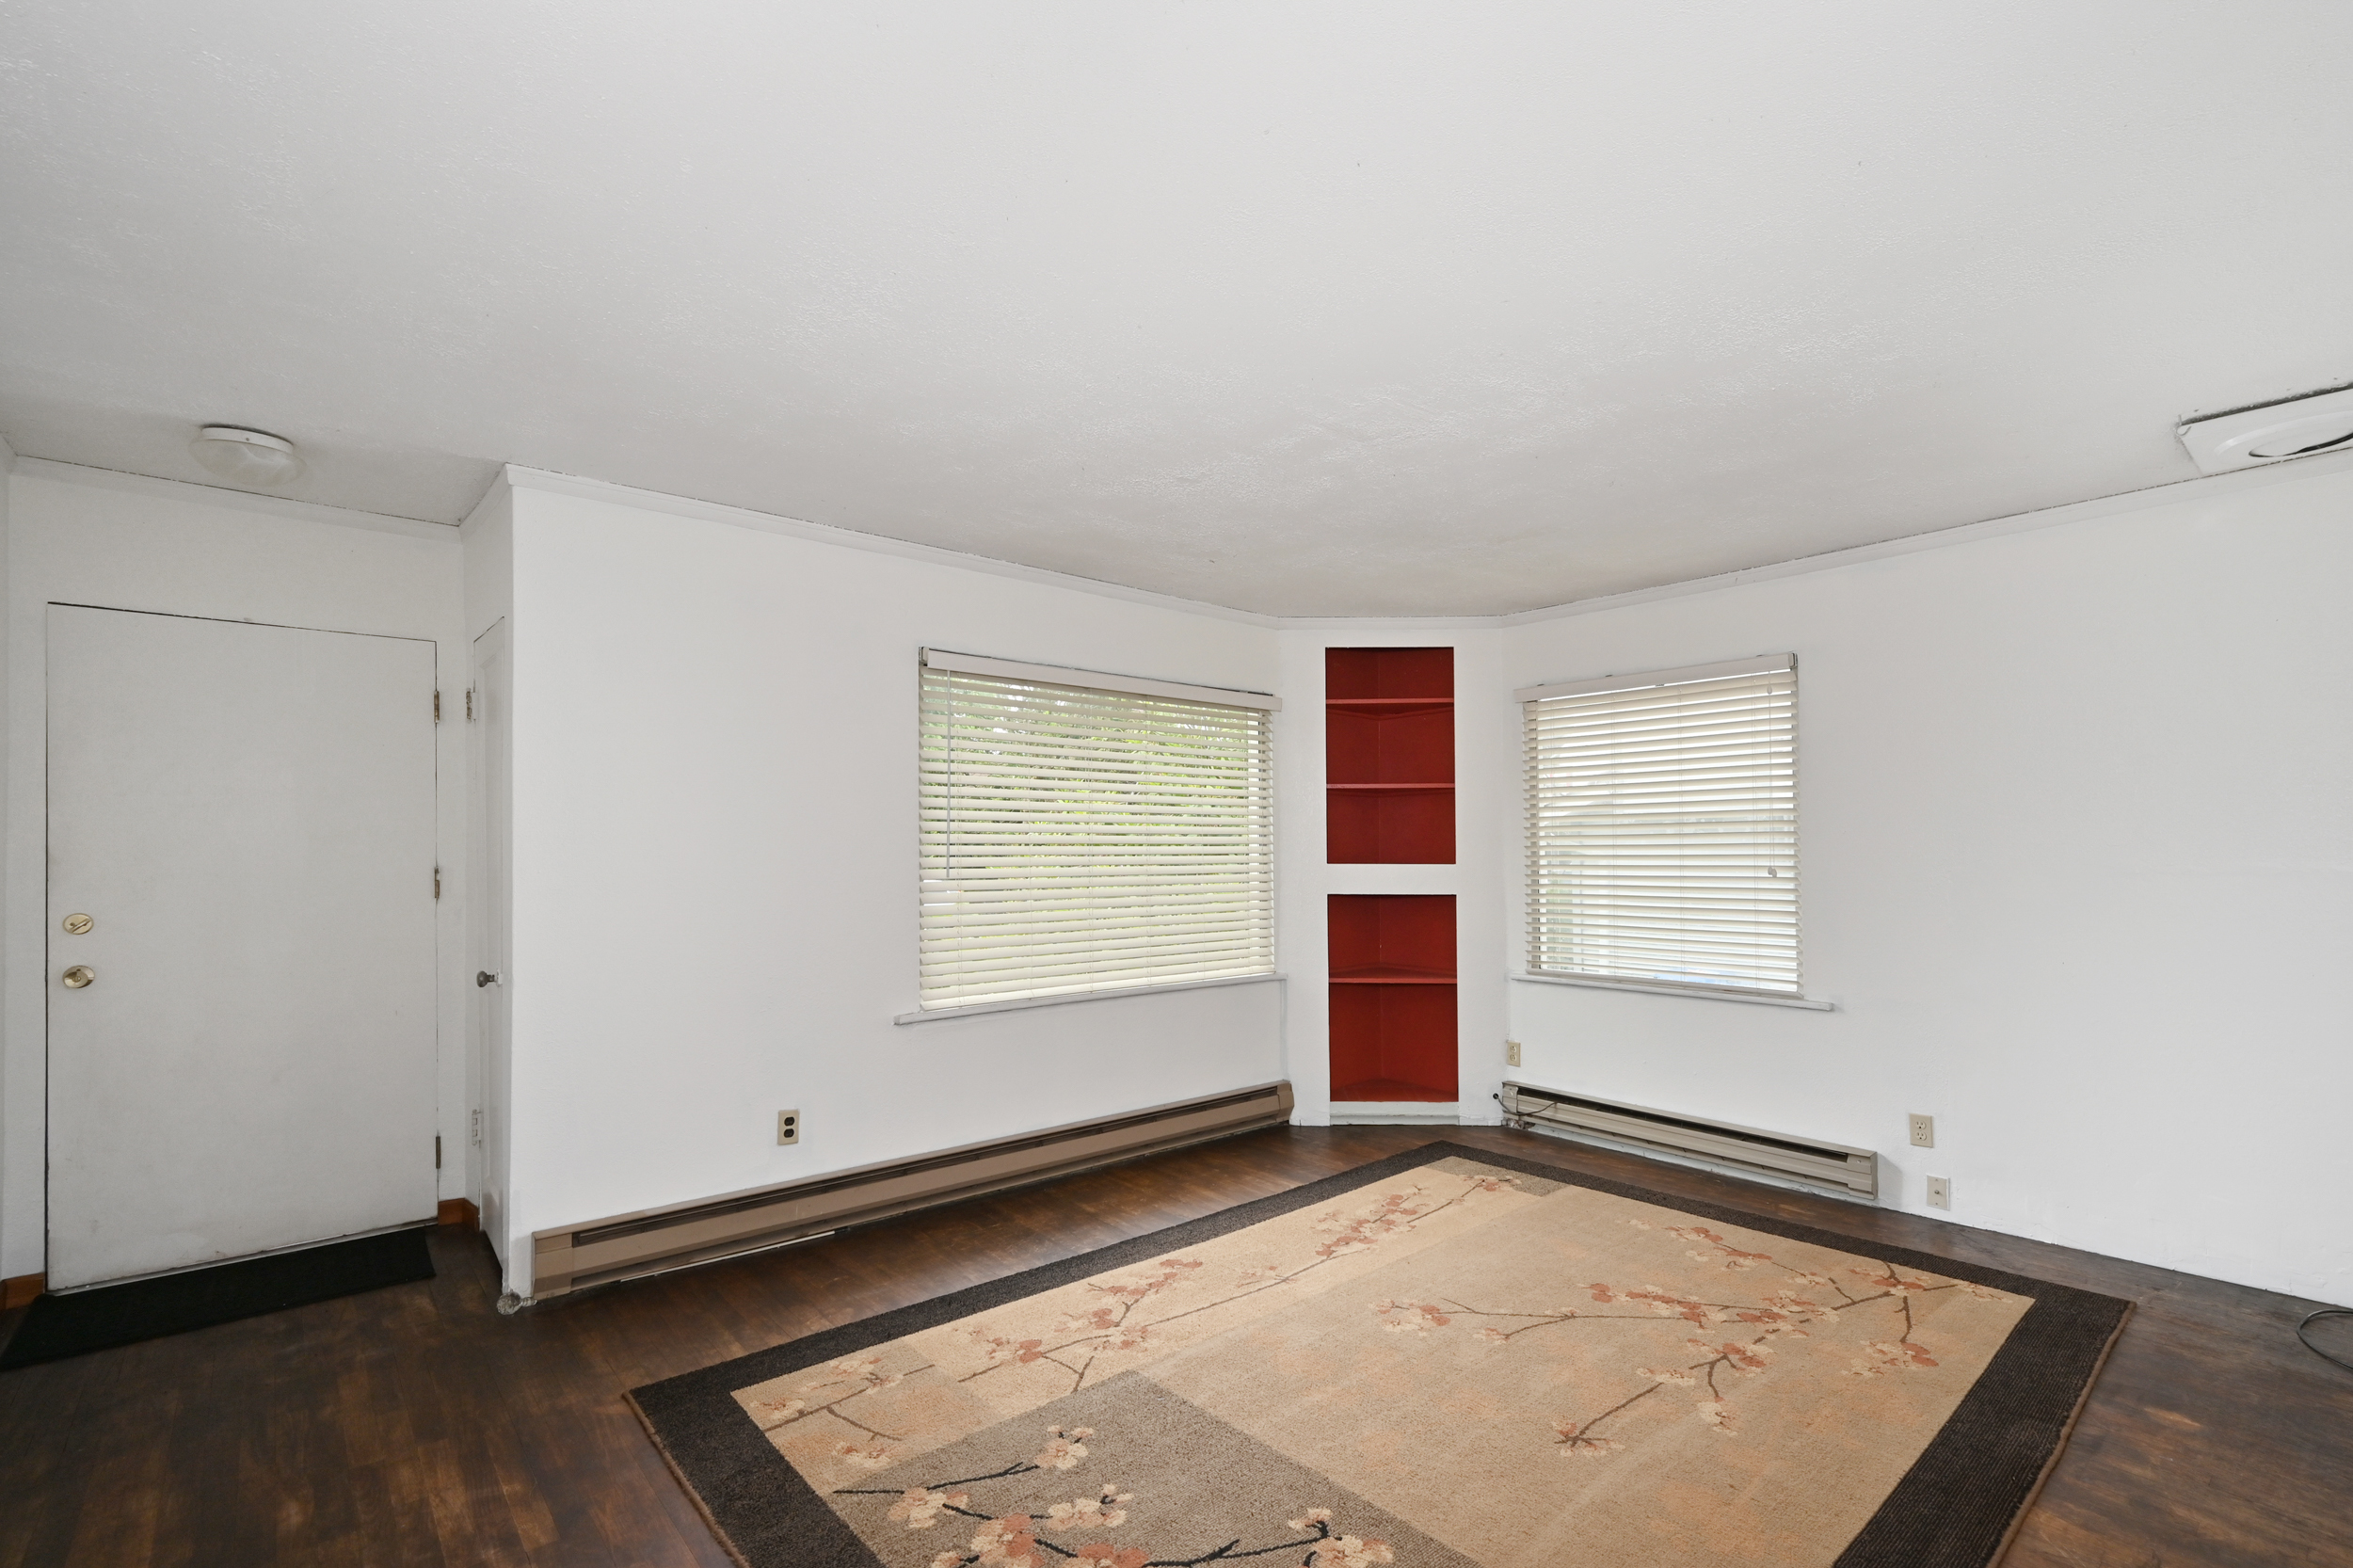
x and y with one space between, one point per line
415 1425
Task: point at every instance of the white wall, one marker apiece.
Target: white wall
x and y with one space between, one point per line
2076 850
91 538
716 863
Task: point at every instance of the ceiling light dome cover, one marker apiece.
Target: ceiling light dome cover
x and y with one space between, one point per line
244 456
2301 427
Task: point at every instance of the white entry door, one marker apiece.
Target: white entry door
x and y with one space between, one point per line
242 817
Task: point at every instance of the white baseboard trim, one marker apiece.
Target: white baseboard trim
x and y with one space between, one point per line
1395 1112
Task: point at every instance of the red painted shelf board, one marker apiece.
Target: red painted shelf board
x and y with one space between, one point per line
1389 786
1390 975
1390 1089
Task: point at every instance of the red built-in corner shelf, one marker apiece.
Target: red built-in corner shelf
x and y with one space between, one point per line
1388 729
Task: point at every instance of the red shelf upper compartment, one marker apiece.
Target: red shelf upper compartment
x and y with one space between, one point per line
1388 674
1389 755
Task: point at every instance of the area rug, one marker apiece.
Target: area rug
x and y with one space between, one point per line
1452 1358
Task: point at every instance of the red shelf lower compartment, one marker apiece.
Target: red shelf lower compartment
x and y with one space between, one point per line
1393 997
1393 1043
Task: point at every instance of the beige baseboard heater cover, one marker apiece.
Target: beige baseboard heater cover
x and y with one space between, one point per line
1834 1167
654 1241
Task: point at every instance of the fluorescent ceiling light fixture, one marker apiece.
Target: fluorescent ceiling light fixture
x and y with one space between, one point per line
247 457
2271 434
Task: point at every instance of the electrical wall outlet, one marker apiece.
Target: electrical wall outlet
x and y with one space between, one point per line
1511 1053
1923 1131
1940 1191
788 1126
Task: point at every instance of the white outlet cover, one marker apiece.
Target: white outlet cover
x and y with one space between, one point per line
2301 427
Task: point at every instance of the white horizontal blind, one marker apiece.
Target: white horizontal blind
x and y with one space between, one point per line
1662 835
1076 839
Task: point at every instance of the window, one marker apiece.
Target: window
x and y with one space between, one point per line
1662 827
1085 836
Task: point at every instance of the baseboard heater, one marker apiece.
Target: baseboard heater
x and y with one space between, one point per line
1834 1167
655 1240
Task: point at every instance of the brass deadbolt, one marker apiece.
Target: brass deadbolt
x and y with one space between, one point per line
79 976
78 924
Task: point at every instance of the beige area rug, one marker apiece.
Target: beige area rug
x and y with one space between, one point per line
1448 1359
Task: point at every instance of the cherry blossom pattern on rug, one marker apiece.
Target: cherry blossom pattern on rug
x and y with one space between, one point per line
1124 1320
859 1414
1731 1340
834 1388
1060 1535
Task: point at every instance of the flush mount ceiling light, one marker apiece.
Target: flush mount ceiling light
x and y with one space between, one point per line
2271 434
247 457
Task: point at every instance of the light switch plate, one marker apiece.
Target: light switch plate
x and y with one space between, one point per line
1940 1191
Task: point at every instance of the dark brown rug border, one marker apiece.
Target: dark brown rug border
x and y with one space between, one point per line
1956 1508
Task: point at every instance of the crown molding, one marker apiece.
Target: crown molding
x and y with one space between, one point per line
497 489
220 495
2212 487
2204 488
1372 626
850 539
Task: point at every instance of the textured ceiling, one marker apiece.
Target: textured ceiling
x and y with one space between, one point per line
1367 309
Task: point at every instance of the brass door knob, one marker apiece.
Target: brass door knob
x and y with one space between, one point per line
79 976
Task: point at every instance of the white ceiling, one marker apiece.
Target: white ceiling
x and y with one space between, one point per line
1313 309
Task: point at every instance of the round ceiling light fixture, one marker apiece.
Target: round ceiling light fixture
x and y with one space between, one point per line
247 457
2272 432
2298 437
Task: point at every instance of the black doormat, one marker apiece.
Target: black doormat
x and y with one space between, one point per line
59 1326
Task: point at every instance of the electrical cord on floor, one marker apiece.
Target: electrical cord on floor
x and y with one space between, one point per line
2325 1312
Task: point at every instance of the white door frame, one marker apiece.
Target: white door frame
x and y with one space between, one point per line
490 916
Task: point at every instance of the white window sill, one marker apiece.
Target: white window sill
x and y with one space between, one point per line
928 1013
1704 993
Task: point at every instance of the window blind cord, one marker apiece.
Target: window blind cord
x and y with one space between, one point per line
2325 1312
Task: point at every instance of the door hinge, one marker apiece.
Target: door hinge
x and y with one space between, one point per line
437 882
436 707
470 705
437 1151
